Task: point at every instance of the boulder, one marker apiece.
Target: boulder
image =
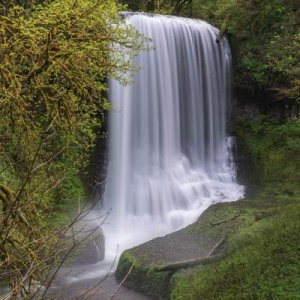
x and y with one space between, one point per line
89 239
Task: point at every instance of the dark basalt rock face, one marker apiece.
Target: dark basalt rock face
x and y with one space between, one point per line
247 173
248 105
96 170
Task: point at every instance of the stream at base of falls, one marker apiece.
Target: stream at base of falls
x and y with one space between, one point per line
94 289
83 276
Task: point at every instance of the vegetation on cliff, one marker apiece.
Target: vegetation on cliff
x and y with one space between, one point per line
55 58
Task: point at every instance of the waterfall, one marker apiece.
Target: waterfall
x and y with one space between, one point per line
169 155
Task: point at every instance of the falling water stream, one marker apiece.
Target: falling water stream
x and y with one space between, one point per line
170 157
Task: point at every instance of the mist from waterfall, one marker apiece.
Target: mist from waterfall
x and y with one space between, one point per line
169 155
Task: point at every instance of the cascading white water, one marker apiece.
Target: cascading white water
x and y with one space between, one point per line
169 156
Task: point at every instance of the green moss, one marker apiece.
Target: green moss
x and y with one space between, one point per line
264 264
69 197
276 150
143 276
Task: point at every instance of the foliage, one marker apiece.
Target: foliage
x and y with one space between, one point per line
55 59
54 66
257 31
272 145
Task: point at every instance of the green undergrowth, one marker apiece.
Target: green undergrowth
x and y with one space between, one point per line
275 151
68 198
63 202
264 264
263 256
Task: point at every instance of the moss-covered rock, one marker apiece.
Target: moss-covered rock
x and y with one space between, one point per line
143 276
263 263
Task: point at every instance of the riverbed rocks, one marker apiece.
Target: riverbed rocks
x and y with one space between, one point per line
91 247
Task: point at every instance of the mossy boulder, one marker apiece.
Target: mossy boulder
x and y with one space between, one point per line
143 276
